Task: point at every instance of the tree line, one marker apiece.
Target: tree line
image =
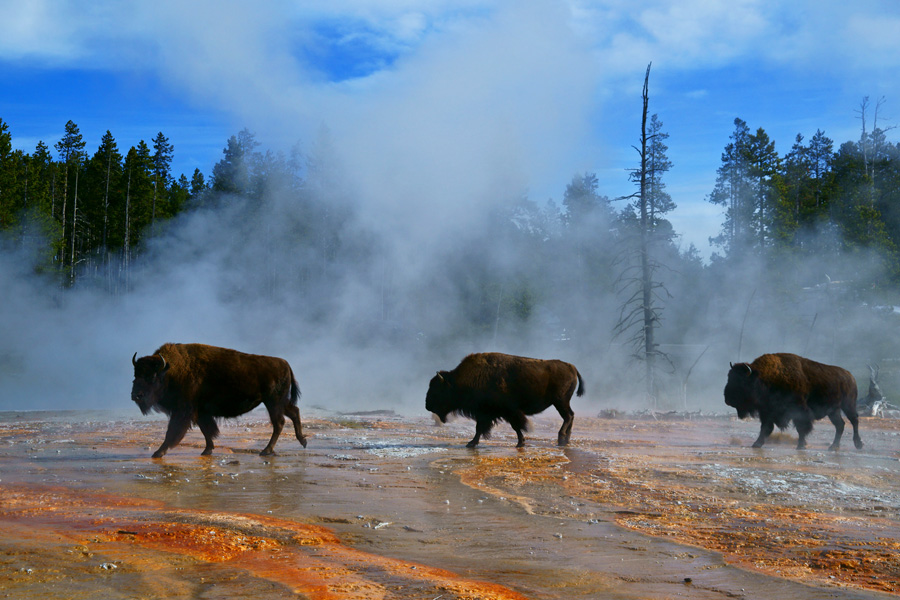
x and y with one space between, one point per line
86 208
813 200
82 213
558 268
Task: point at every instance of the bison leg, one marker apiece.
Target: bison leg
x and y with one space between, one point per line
178 426
277 426
210 431
565 432
804 426
294 413
519 423
482 428
276 416
838 422
764 432
854 420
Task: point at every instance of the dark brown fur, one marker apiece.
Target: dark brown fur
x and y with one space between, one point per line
780 388
197 384
491 387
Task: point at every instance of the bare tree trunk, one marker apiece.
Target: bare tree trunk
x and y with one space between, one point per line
62 251
864 147
126 250
646 272
106 198
25 209
153 209
74 221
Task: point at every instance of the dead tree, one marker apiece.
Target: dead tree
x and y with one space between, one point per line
640 314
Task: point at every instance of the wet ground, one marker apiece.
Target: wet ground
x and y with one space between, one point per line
382 506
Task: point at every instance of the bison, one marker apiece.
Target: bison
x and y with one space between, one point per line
197 384
490 387
780 388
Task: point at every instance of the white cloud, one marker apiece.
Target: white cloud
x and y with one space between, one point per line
35 29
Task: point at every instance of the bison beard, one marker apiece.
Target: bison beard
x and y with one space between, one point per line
780 388
492 387
197 384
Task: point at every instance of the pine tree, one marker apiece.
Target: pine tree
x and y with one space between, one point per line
8 200
40 222
232 174
198 184
69 149
162 161
138 174
640 314
734 192
110 158
103 200
808 184
821 157
658 199
763 163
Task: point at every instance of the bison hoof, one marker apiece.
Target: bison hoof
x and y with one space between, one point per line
207 452
303 442
858 444
159 454
471 444
757 445
267 452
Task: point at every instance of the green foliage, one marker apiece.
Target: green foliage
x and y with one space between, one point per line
76 213
532 268
811 202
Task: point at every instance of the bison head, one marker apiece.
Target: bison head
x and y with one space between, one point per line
740 391
149 376
439 398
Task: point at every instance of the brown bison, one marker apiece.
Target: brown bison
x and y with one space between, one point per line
490 387
197 384
780 388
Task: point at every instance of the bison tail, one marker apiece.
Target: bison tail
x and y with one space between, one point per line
580 391
295 390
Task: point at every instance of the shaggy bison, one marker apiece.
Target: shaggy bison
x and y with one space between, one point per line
491 387
780 388
197 384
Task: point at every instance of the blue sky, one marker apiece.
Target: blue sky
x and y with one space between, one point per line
436 105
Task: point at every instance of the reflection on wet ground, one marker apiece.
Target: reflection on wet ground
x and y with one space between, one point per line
380 506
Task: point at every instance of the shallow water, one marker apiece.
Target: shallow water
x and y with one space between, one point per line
379 506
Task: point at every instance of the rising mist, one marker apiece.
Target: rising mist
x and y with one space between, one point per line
418 237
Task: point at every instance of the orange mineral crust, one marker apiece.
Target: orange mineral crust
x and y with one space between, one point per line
306 559
682 499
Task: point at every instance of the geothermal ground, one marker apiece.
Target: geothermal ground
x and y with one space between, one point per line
382 506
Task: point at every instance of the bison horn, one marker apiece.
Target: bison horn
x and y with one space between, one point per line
133 361
441 377
731 365
749 370
165 364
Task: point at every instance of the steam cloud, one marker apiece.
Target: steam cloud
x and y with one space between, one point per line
421 166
